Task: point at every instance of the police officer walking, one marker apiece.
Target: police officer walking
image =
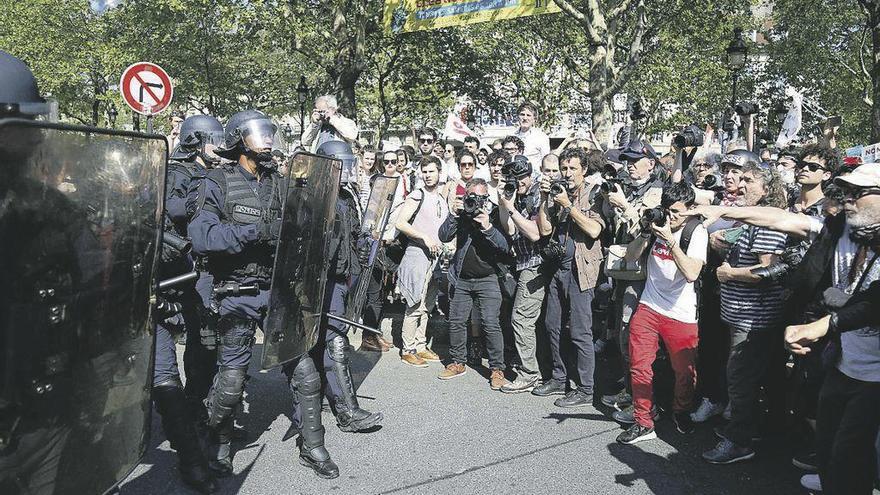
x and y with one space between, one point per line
200 136
236 225
345 268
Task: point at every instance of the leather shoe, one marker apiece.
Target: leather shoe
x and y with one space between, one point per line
372 343
548 388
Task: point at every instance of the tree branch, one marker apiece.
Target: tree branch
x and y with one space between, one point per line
587 20
622 75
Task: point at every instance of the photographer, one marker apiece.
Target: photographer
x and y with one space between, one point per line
667 309
625 202
519 198
574 224
328 125
456 187
474 278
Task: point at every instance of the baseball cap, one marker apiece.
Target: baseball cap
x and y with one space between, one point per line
519 166
866 175
637 149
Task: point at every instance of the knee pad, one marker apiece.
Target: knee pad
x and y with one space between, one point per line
338 348
225 394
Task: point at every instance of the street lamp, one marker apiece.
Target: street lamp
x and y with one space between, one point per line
112 113
737 52
302 93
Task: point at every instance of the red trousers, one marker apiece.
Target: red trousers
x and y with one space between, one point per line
646 329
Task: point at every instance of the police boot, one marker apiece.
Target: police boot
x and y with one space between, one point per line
305 382
220 448
349 415
181 432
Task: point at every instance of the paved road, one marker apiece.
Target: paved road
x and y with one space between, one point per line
461 437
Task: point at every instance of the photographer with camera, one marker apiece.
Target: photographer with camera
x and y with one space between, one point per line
473 278
667 309
519 198
574 253
328 125
626 199
466 164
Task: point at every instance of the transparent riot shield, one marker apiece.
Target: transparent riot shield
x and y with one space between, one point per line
79 216
373 224
296 297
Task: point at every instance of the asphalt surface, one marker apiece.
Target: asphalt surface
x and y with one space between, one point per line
459 436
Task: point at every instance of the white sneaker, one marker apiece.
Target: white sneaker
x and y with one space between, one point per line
707 410
726 414
811 482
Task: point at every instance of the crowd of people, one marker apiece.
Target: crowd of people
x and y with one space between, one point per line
749 273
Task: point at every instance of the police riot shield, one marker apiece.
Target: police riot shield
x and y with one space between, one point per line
79 223
296 297
373 224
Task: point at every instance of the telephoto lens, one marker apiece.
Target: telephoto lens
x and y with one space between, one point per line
653 216
509 187
690 137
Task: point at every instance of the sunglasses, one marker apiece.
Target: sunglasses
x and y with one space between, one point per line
426 141
467 164
812 166
390 162
855 193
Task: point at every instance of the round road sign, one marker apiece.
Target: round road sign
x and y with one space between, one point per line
146 88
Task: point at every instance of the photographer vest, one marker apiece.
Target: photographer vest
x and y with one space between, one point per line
244 205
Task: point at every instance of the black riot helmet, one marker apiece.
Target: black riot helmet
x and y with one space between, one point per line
19 96
341 151
250 132
200 135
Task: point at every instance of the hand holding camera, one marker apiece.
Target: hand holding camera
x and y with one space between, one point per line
652 217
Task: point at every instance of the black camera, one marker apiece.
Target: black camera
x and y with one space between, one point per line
510 186
711 183
636 111
690 136
652 216
745 108
553 252
613 178
474 204
558 186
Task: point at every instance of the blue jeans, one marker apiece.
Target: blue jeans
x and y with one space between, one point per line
565 299
487 293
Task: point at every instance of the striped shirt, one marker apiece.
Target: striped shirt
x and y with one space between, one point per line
758 306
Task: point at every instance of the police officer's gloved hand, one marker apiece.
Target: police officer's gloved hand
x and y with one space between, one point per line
269 231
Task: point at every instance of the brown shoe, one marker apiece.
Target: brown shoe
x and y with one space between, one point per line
497 380
371 342
386 344
428 355
413 360
452 370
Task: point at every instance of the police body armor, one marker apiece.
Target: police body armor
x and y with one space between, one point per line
242 206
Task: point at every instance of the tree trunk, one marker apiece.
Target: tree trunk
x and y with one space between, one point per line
600 106
874 24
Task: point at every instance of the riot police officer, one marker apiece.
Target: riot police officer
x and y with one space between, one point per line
200 136
345 268
236 225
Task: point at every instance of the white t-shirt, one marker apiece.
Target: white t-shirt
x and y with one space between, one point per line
537 145
666 290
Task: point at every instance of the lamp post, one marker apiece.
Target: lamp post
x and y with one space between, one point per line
302 93
737 52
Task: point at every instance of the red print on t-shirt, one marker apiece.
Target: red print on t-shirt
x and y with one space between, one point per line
662 251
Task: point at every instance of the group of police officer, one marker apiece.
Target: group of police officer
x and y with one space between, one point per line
222 224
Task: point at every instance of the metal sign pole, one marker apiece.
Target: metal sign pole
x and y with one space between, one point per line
149 124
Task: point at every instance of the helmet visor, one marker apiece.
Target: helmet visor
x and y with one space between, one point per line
258 134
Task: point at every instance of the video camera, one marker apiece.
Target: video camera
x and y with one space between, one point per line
690 136
473 204
745 108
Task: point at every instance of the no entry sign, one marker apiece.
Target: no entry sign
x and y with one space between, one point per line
146 88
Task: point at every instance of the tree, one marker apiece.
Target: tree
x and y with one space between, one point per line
616 35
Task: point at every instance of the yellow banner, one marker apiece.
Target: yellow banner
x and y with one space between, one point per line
403 16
